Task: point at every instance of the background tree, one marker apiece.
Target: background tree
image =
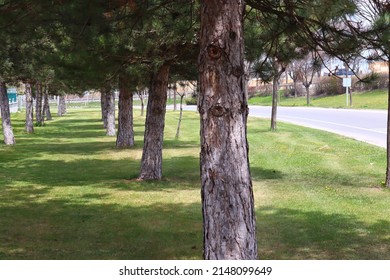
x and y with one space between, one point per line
293 71
8 133
29 126
125 137
168 35
181 96
279 48
307 68
371 24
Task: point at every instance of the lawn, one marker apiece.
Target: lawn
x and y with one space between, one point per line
66 192
376 99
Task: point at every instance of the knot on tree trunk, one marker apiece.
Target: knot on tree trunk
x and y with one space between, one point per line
238 71
214 52
232 35
217 110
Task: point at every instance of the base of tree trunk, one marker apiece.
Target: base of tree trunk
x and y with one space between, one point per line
8 132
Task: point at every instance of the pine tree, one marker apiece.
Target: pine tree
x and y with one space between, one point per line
227 195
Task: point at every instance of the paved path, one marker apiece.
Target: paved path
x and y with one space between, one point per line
363 125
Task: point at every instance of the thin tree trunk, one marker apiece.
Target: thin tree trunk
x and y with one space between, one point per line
307 95
274 103
350 97
29 110
180 116
8 133
125 137
110 111
350 88
46 104
151 163
38 105
295 88
227 195
175 97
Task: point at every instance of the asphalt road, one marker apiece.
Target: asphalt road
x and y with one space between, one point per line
363 125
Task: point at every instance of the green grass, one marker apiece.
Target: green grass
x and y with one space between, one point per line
67 193
376 99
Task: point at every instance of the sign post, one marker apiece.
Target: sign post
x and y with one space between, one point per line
347 82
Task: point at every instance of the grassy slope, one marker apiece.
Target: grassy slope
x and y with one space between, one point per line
67 193
376 99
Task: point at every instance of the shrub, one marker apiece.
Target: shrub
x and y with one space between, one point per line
191 101
329 86
370 82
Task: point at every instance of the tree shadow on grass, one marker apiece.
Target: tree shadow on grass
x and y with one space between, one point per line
179 173
90 228
32 151
296 234
259 173
63 229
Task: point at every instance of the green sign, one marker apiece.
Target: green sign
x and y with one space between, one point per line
12 95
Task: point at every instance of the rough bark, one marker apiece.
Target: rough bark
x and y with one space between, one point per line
46 105
110 110
8 132
61 106
151 162
125 137
38 105
103 103
227 195
29 110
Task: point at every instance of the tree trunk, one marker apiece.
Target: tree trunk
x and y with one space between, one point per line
29 110
307 95
350 97
295 88
8 132
61 106
110 110
274 103
175 98
38 105
227 195
103 103
142 98
46 104
180 116
125 137
151 163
